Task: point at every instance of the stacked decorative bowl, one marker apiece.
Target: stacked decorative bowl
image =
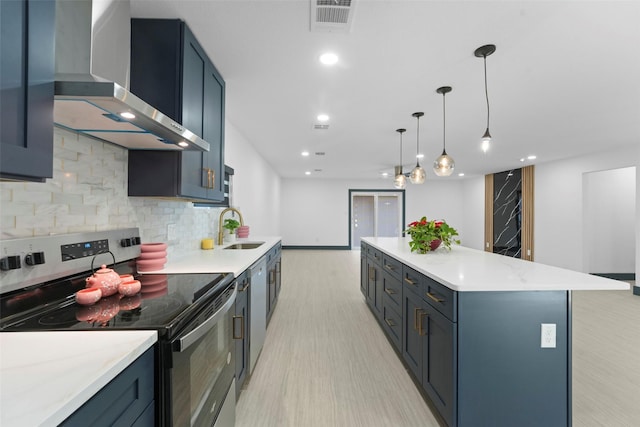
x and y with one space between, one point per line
243 232
153 256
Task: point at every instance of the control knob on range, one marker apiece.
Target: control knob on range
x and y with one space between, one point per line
11 262
34 258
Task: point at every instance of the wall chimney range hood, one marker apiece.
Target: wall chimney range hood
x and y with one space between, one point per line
93 39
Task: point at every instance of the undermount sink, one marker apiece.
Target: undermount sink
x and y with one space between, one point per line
251 245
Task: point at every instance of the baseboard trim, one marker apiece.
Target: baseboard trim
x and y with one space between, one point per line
636 290
617 276
318 248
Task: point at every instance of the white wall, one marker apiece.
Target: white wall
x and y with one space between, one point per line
559 216
609 214
473 221
315 212
256 186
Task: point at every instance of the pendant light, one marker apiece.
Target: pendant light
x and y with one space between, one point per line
444 165
400 180
483 52
417 174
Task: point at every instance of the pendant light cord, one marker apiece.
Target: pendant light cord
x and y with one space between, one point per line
486 91
418 144
400 152
444 126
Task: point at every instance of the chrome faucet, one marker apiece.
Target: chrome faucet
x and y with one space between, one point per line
220 234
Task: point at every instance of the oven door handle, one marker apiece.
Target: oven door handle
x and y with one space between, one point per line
183 343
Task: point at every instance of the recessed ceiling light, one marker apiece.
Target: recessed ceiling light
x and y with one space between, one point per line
385 174
329 58
531 157
461 174
522 159
127 115
183 144
307 173
420 156
323 118
305 153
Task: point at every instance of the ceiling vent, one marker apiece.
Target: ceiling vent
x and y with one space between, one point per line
332 15
321 127
320 153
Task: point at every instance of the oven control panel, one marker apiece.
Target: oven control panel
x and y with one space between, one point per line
34 260
83 249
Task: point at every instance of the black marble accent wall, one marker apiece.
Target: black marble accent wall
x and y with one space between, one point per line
507 213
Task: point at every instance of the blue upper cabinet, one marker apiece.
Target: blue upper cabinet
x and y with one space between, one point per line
171 71
26 100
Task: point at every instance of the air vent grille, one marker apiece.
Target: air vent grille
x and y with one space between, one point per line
321 127
331 15
320 153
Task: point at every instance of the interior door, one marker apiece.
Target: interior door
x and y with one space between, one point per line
375 214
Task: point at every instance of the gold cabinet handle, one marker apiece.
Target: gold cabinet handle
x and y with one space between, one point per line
389 267
244 288
433 297
389 291
241 337
415 318
213 178
409 281
422 315
372 274
390 322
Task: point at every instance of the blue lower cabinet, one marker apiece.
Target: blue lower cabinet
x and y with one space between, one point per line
126 401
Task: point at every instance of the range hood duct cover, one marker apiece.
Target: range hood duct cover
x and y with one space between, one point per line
93 45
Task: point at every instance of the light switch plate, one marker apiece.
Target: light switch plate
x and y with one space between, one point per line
547 335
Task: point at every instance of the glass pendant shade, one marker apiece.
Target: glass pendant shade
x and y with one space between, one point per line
418 175
400 182
444 165
486 140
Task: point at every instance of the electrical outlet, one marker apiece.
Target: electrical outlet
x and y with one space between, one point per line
547 335
171 232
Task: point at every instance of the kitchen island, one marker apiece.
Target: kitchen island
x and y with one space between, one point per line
487 337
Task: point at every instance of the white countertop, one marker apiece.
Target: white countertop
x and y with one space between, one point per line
218 260
464 269
47 376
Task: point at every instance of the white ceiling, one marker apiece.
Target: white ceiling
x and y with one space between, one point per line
564 81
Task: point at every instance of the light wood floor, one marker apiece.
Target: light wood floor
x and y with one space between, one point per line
326 362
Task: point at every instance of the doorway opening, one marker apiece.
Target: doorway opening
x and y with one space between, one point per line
375 213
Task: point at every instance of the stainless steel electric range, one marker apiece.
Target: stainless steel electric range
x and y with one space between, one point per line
192 313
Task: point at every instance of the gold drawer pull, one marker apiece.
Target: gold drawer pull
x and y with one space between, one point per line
241 337
409 281
389 291
415 318
390 322
389 267
433 297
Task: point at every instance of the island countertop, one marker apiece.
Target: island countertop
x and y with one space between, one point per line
466 270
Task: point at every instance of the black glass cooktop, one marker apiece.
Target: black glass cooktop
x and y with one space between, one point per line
165 303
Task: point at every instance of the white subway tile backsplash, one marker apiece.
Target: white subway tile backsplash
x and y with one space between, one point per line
88 192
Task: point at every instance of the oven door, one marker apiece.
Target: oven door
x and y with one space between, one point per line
203 367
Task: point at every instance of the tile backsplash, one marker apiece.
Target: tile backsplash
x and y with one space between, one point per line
88 192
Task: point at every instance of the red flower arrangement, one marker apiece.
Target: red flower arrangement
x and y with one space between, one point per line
429 235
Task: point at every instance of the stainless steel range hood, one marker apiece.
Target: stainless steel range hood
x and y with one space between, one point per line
92 79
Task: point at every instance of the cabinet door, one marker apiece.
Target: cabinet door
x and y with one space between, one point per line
374 288
438 356
26 80
412 308
278 275
213 133
364 277
193 96
241 329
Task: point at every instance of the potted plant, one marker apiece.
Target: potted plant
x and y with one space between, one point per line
429 235
230 225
